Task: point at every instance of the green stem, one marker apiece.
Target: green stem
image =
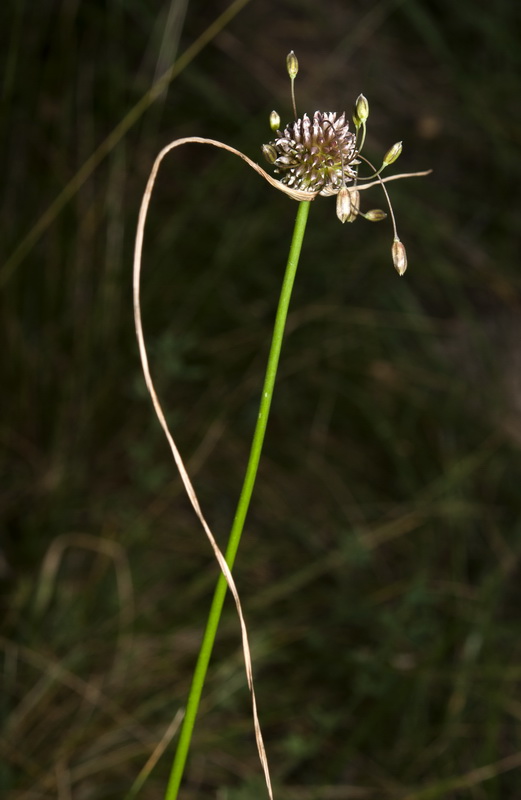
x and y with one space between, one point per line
214 616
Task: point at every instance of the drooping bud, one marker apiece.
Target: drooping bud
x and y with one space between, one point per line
343 204
399 257
355 205
392 154
269 153
362 108
375 215
292 65
274 121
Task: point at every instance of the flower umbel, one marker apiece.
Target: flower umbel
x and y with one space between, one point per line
319 155
315 155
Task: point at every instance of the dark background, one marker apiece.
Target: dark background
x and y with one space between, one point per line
380 564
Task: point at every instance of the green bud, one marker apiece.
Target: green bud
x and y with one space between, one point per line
399 256
375 215
343 204
292 65
392 154
269 153
274 121
362 108
356 120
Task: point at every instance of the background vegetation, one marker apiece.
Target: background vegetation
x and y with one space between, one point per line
380 566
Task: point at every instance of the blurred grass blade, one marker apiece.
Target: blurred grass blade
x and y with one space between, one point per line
68 192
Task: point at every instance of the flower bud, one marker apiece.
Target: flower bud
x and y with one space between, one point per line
269 153
399 257
292 65
274 121
343 204
375 215
355 204
392 154
362 108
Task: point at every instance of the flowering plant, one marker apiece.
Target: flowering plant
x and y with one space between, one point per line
315 156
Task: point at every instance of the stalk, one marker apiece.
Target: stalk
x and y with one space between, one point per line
234 539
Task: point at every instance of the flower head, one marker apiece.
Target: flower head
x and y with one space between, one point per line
320 155
315 155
